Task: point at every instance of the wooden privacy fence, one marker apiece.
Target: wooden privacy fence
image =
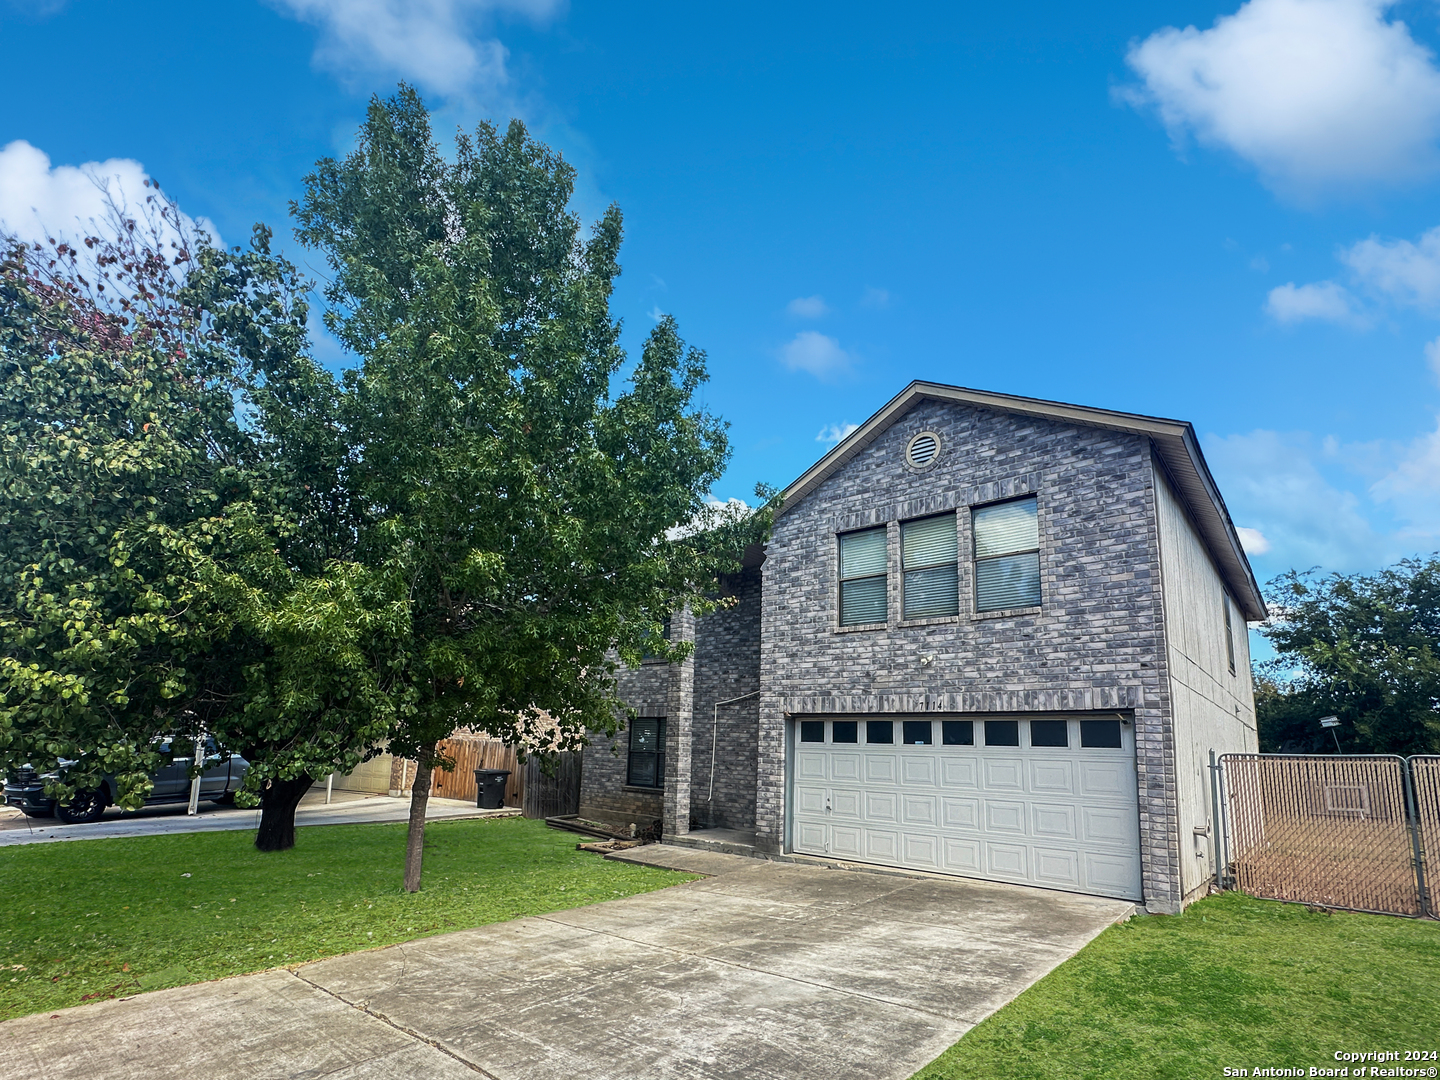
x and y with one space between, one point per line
1343 831
529 786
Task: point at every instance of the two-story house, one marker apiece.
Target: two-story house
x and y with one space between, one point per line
990 636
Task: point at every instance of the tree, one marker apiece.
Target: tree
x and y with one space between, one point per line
538 519
1363 648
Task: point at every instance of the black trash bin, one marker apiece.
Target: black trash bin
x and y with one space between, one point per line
490 788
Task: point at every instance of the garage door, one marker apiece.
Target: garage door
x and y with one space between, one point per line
1037 800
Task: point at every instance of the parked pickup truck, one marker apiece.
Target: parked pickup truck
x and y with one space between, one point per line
223 775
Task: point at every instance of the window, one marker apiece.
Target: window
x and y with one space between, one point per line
664 636
812 730
957 732
1049 733
879 731
1100 734
862 577
1229 635
1007 555
916 732
647 753
1002 732
928 553
847 731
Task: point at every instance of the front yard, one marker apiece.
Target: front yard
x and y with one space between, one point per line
87 920
1232 982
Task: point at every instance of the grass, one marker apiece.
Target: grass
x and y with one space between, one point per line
1232 982
87 920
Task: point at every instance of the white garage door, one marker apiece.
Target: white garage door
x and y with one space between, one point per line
1038 800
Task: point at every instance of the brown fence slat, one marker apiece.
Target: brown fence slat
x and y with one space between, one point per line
1328 830
1425 775
470 754
556 794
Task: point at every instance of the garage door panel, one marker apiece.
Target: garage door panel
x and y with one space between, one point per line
960 813
810 765
880 768
1007 860
921 850
917 770
844 767
1057 866
1053 816
881 806
1004 774
1004 817
1052 777
962 772
920 810
882 844
1053 821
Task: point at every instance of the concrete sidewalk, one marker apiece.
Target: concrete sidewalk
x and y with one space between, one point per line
765 971
346 808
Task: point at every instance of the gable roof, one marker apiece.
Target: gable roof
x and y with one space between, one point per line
1174 441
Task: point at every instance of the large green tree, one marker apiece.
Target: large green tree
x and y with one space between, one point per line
542 522
1364 648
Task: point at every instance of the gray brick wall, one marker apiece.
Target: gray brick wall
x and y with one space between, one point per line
604 794
1097 641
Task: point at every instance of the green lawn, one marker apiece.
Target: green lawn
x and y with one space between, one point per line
89 919
1232 982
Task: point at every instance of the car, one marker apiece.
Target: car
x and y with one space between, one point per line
223 776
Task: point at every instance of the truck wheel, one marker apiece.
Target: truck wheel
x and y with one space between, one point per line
87 806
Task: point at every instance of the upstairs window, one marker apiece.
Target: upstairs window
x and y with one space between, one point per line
928 553
1007 555
647 753
1229 635
862 577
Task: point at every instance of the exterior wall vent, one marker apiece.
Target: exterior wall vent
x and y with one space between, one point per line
924 448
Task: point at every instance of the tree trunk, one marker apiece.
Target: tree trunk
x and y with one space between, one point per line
278 801
415 839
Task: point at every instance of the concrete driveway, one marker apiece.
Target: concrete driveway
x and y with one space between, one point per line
765 971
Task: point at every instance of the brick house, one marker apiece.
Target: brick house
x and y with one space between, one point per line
990 636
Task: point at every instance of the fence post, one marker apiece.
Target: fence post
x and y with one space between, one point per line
1215 819
1412 811
1222 866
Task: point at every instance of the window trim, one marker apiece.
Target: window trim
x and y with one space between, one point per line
658 754
976 559
1229 632
841 579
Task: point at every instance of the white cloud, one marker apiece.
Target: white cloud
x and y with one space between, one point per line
38 201
655 313
1405 272
1252 540
1271 479
875 298
821 356
432 43
1314 93
834 433
807 307
1411 488
1290 303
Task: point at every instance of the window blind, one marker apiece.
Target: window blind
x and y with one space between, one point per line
1007 528
928 552
1007 557
862 553
1009 581
862 577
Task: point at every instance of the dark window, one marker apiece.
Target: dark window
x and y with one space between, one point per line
844 731
1100 734
1229 635
1002 732
879 731
862 577
812 730
647 753
1007 555
917 732
958 732
928 550
664 636
1049 733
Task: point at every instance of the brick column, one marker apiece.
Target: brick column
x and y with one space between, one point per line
679 725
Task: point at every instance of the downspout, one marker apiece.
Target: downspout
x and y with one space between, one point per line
715 738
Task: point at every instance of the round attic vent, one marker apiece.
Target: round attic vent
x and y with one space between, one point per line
923 450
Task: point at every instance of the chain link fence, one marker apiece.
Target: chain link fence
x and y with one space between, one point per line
1342 831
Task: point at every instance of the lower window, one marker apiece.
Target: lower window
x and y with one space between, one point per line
647 753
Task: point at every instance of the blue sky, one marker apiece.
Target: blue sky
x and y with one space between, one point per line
1219 213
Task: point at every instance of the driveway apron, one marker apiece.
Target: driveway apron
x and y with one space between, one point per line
764 970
